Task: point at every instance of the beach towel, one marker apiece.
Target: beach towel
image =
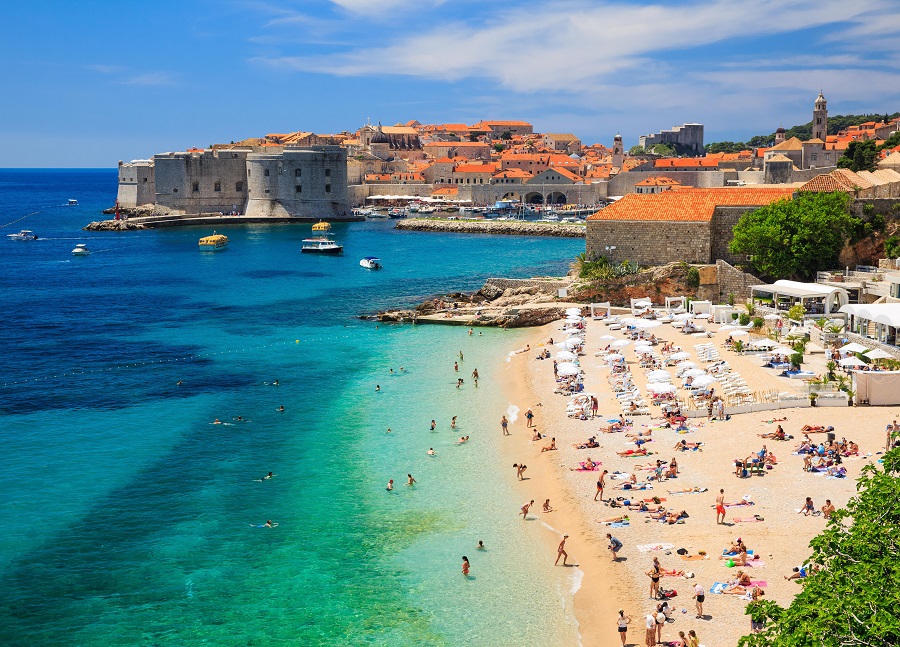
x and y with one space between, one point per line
654 499
755 563
752 519
739 505
732 553
760 583
618 524
646 548
694 558
595 468
717 588
637 455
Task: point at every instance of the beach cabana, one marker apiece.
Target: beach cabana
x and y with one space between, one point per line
878 321
816 298
600 310
675 304
877 387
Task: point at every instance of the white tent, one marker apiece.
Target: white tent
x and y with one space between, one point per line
851 361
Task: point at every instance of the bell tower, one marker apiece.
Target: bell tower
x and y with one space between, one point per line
820 118
618 156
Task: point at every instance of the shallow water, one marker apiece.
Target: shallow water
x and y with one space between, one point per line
130 517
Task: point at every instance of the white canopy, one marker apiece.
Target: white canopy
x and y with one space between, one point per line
607 338
661 387
573 312
694 372
679 356
763 343
879 354
853 348
851 361
883 313
566 356
685 365
614 357
620 343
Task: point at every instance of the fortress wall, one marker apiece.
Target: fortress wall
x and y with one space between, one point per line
649 242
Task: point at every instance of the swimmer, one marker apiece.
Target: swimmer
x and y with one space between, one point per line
431 451
377 388
410 481
216 422
459 383
390 486
179 383
480 545
462 439
388 430
267 524
453 422
392 371
460 356
433 425
275 383
456 367
475 373
281 409
267 477
465 566
239 419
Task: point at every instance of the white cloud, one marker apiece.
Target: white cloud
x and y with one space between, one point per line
150 78
381 7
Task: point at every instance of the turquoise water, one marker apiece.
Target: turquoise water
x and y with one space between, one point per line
129 517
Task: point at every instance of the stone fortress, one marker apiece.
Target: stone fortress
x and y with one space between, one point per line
688 137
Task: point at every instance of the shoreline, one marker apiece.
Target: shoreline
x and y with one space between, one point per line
496 227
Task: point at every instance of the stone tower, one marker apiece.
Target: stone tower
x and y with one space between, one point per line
820 119
779 135
618 156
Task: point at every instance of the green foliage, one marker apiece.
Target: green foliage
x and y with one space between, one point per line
799 345
601 269
796 312
731 299
830 367
744 319
879 222
834 328
693 277
891 142
506 135
892 246
726 147
853 595
637 150
663 151
499 147
859 156
795 237
797 359
738 346
751 307
758 322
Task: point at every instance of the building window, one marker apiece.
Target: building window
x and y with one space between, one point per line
266 172
217 186
298 189
145 180
298 172
327 188
239 186
328 172
818 120
814 156
174 190
267 190
195 187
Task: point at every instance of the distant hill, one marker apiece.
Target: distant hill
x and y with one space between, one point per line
836 124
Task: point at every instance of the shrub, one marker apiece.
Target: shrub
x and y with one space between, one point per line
693 277
744 319
758 322
797 359
796 312
892 245
879 222
731 299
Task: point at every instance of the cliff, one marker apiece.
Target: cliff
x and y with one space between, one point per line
503 227
113 225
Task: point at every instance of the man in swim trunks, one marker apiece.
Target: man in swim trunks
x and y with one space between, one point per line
720 507
601 483
561 551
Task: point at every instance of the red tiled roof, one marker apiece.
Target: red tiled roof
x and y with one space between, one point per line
686 162
476 168
447 190
687 204
658 181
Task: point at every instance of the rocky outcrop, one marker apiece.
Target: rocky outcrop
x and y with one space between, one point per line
113 225
503 227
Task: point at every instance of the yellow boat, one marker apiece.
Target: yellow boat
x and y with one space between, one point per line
213 243
322 226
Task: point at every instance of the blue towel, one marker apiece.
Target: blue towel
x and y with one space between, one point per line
717 587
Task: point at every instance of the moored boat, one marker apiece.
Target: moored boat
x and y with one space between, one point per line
321 246
213 243
25 234
371 263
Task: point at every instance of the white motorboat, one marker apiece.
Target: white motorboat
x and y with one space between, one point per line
72 202
25 234
321 246
80 250
371 263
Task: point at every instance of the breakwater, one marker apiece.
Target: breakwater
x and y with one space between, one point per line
504 227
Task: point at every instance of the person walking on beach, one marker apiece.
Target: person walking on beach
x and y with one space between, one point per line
465 566
561 551
699 597
601 483
520 471
623 621
525 508
720 507
595 406
614 546
504 425
529 416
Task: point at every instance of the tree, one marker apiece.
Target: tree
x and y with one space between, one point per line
637 149
663 151
852 596
506 135
859 156
795 237
499 147
891 142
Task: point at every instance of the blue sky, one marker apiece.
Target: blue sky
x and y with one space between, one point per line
88 83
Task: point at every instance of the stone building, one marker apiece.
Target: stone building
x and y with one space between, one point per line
497 128
687 224
286 182
687 136
564 142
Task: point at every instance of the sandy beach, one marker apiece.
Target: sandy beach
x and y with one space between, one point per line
771 527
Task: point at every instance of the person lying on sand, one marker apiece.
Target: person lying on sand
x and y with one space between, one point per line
739 560
689 490
683 445
641 434
798 574
754 591
634 452
817 429
621 519
590 444
778 434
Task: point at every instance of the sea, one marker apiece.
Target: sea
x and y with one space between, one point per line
131 518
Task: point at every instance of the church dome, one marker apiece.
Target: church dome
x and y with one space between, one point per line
780 130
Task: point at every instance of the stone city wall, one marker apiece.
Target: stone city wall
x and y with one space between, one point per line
495 287
731 280
649 243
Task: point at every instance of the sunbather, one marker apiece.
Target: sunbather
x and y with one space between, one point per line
778 434
683 445
642 451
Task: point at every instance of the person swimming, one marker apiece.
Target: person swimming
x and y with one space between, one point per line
281 409
267 477
267 524
430 451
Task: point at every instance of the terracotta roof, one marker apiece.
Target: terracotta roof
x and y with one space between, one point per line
569 174
447 190
686 162
826 183
891 161
562 137
687 204
490 122
658 181
780 158
513 173
475 168
458 144
792 144
814 140
853 178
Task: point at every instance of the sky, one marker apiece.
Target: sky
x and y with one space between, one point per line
88 83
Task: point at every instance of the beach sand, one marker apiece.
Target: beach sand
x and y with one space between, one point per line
781 540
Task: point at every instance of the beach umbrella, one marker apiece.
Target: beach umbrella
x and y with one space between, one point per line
566 356
661 387
574 320
727 327
573 312
772 317
572 342
878 354
679 356
607 338
851 361
657 375
686 365
614 357
620 343
567 368
643 304
763 343
703 380
739 333
693 372
853 348
646 324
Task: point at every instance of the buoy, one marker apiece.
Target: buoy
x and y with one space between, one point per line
296 341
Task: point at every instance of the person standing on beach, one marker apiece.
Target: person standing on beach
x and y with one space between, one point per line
475 374
595 406
520 471
654 575
720 507
504 424
525 508
529 416
623 621
561 551
465 566
699 597
650 636
601 483
615 546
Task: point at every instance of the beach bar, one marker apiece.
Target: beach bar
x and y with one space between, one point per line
816 299
878 321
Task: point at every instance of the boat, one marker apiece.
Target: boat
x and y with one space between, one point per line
427 210
371 263
80 250
322 227
396 213
213 243
25 234
72 202
321 245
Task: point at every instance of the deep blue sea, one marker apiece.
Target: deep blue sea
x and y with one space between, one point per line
130 519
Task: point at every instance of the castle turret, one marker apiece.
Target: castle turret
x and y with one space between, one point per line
820 119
